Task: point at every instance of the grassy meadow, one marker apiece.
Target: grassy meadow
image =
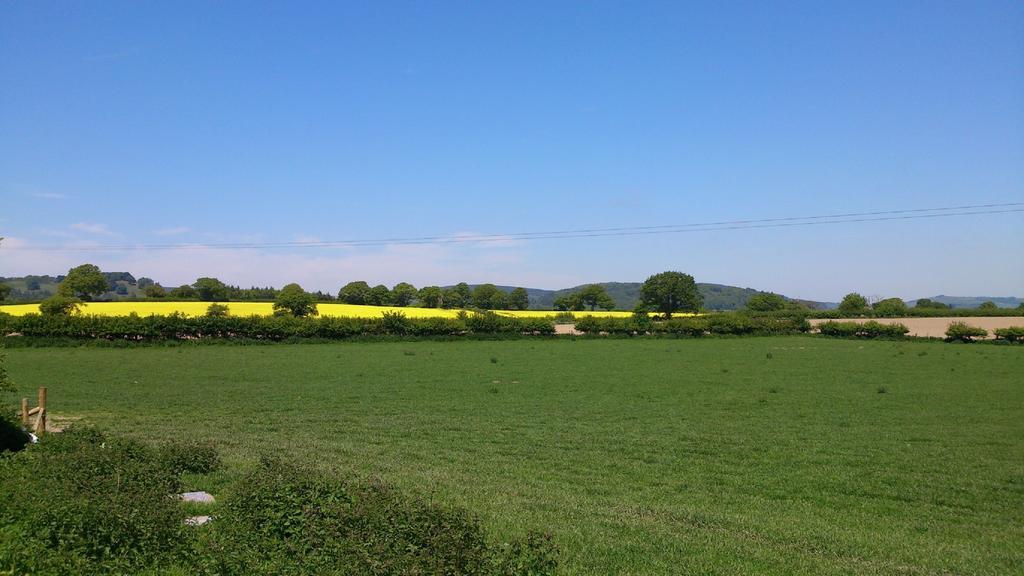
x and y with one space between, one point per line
780 455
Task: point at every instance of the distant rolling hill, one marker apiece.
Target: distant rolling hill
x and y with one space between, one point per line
34 288
627 294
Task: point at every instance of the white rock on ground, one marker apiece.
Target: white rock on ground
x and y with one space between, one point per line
197 520
202 497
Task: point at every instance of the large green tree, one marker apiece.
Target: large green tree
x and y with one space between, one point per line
853 303
379 296
890 307
5 290
671 292
488 297
83 282
210 289
458 296
594 296
766 302
403 294
183 292
430 296
569 302
518 299
293 300
357 292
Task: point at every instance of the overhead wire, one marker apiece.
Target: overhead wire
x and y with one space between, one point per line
620 231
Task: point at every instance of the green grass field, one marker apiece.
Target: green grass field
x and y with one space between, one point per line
785 455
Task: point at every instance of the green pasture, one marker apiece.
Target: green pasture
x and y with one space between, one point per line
779 455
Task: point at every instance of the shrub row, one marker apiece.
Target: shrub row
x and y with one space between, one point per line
269 328
713 324
869 329
82 502
1011 334
962 332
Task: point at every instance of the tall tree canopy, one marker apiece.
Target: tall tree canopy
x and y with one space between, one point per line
210 289
670 292
292 299
83 282
518 299
403 294
488 297
357 292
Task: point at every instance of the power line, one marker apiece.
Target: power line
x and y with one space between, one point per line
726 225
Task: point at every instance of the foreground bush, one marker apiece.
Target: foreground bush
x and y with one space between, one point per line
962 332
82 502
12 436
280 518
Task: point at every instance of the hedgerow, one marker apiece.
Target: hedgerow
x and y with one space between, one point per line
962 332
260 328
1011 334
869 329
723 324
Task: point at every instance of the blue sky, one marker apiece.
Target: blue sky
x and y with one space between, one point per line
153 123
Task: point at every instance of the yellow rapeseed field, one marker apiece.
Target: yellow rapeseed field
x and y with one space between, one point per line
267 308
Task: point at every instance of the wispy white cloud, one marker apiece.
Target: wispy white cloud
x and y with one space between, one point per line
48 195
173 231
326 270
93 228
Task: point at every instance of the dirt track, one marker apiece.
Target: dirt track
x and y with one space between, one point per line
936 327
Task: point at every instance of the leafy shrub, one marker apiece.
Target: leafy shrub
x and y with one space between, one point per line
732 324
280 518
12 436
1011 334
641 317
565 317
83 503
59 305
962 332
595 325
194 457
395 322
694 327
870 329
216 310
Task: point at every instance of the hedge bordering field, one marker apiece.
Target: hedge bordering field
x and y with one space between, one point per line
711 325
261 328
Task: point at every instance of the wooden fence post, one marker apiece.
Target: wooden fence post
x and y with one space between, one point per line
24 411
41 418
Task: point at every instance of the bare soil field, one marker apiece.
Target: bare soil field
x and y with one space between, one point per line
936 327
